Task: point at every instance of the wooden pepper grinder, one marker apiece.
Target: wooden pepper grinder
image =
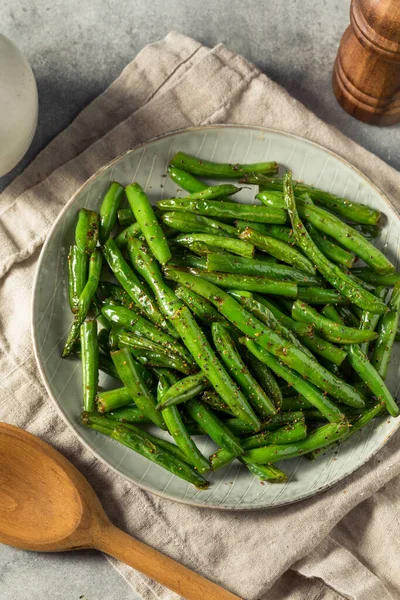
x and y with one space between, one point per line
366 76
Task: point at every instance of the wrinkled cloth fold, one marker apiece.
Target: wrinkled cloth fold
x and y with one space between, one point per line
343 543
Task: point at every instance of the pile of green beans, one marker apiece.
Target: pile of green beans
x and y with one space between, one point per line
245 323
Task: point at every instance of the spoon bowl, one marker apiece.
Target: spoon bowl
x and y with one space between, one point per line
47 505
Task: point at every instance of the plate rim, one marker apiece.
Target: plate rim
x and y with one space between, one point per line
36 350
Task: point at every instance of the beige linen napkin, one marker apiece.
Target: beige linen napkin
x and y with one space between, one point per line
344 543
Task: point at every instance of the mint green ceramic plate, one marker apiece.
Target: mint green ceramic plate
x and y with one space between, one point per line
233 487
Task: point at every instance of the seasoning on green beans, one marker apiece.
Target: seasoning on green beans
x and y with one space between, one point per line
214 427
133 381
251 283
334 332
147 220
224 210
386 332
218 241
77 274
131 284
87 230
138 441
190 223
183 390
256 396
285 351
279 250
331 272
213 170
226 263
285 435
90 363
84 301
109 209
176 426
192 336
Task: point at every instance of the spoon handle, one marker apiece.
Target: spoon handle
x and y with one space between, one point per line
159 567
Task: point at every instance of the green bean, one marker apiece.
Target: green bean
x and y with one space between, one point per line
131 377
320 296
213 400
332 251
346 236
107 366
85 300
96 308
201 248
103 340
285 435
147 220
244 266
369 276
303 334
285 351
90 363
177 428
349 317
263 375
128 414
122 238
87 230
189 223
285 234
185 180
268 473
263 314
360 363
360 213
369 320
131 284
295 403
370 377
192 336
331 272
189 260
387 329
279 250
129 340
224 210
200 307
256 396
77 273
109 209
214 427
113 399
183 390
321 437
138 441
240 428
153 354
132 321
210 193
248 283
162 360
125 216
212 170
318 399
117 293
218 241
356 425
333 332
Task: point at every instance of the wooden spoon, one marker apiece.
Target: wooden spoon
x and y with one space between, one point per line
46 505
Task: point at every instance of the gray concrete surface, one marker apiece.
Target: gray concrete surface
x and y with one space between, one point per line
76 49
